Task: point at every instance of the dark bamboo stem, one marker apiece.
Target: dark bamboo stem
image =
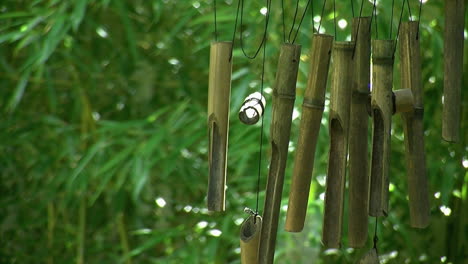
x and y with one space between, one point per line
410 64
359 121
382 110
453 68
341 89
250 239
219 92
282 107
312 110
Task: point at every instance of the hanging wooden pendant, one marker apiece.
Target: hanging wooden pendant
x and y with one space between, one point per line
218 122
382 110
284 93
340 99
250 239
453 68
410 65
358 212
252 109
312 109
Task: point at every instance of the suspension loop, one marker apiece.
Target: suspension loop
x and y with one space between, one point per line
252 108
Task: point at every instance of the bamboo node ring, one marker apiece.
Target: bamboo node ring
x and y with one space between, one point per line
313 103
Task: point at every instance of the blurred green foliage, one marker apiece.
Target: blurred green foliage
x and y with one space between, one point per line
103 138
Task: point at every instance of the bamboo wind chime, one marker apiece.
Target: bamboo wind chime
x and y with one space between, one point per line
312 109
354 96
284 94
219 92
358 155
340 99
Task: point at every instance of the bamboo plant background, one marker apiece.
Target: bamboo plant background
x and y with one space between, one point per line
103 138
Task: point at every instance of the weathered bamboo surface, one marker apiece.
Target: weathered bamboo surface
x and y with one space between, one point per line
370 257
358 212
453 68
410 65
219 92
404 100
284 93
250 239
312 110
340 99
382 110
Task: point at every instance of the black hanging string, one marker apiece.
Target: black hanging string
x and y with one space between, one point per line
312 15
398 29
302 19
284 25
357 31
294 20
235 29
372 17
321 16
391 19
409 10
375 20
419 19
334 18
267 19
261 133
291 30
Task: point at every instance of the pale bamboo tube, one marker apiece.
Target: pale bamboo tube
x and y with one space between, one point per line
453 68
410 65
382 110
284 94
219 92
250 239
340 100
358 212
312 109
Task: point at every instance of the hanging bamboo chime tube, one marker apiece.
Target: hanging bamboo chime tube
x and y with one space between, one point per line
250 239
219 92
312 109
284 94
358 212
410 65
382 110
453 68
340 99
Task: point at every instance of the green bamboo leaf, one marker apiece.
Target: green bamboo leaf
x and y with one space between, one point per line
78 13
84 162
19 91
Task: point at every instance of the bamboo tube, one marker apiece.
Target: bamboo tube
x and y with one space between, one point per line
370 257
312 109
250 239
219 92
359 121
282 107
382 109
340 99
453 68
413 126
